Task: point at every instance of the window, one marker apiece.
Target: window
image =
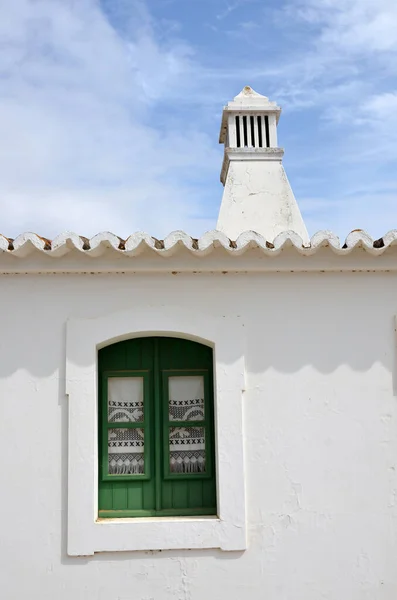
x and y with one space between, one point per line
156 429
89 339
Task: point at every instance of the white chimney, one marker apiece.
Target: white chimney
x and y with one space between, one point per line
257 194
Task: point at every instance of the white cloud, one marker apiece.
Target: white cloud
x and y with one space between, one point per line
359 26
80 148
103 116
348 62
381 106
348 47
376 213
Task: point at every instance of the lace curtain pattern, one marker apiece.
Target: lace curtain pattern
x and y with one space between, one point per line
186 398
186 444
125 446
126 451
187 449
125 399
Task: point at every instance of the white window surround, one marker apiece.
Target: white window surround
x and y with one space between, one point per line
86 533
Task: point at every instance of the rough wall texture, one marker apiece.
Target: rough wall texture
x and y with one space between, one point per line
258 197
320 440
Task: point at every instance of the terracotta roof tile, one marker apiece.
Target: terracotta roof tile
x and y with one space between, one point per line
28 243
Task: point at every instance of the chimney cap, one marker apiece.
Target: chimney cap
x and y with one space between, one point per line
248 101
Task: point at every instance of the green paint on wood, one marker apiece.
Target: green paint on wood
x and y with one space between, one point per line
157 491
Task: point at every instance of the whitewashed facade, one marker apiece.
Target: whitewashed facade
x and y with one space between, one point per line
305 401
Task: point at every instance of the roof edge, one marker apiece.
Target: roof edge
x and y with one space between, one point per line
28 243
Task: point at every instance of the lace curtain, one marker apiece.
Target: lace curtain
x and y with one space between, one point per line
125 446
186 444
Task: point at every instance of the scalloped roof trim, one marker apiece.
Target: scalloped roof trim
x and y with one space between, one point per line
135 244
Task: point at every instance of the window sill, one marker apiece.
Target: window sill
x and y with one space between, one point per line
194 519
157 533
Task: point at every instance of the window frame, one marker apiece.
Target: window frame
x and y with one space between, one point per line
156 397
86 533
106 424
206 424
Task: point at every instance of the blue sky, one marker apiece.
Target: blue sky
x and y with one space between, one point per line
110 110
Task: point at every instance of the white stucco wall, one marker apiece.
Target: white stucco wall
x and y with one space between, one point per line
320 424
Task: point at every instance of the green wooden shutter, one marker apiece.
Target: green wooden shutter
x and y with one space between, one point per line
171 468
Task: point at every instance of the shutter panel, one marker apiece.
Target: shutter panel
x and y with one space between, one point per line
160 459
